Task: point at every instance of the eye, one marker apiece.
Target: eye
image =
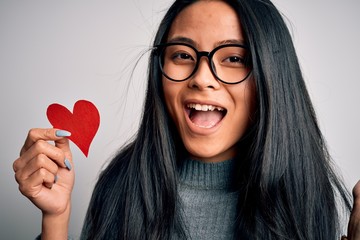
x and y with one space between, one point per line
230 56
234 60
182 56
179 54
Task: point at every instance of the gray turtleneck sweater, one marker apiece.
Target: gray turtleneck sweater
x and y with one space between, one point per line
209 205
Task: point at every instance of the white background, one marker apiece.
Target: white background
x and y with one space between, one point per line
63 51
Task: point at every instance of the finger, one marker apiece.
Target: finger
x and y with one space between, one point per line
33 185
47 134
40 161
63 144
41 147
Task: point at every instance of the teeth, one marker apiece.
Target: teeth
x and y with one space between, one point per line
204 108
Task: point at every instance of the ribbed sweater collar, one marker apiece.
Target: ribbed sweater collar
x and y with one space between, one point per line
197 174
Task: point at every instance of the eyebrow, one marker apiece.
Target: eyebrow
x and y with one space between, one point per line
230 41
181 39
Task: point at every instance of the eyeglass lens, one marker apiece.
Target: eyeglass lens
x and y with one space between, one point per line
229 63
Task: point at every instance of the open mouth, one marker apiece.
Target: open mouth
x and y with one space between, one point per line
205 116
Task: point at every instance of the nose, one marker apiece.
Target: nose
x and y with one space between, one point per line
203 77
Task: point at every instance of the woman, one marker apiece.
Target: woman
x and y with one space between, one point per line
228 146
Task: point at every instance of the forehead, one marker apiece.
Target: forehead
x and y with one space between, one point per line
206 23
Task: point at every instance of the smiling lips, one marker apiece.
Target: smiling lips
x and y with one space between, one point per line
205 116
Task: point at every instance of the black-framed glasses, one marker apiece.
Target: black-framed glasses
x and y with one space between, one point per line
230 63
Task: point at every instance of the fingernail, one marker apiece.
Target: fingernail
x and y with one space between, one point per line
62 133
67 164
56 179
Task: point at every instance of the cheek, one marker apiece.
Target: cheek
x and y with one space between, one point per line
170 96
250 97
246 103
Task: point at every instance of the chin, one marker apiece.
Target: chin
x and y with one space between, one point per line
206 154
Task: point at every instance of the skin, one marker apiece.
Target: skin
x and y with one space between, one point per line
354 222
217 24
40 161
35 172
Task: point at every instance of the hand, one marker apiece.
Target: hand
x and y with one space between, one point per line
354 222
45 175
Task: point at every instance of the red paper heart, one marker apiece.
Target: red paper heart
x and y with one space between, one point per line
83 123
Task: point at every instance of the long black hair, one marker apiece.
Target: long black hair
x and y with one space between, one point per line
287 186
